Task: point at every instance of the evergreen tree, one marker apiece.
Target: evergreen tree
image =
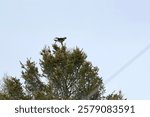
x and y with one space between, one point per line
63 74
12 89
115 96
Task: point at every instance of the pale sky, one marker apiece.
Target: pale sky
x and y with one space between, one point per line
111 32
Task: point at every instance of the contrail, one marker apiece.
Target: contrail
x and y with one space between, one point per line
126 65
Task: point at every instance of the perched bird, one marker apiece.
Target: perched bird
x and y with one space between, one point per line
60 39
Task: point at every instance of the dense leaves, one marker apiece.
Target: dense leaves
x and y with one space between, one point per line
62 74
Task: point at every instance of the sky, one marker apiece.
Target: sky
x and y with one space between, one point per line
111 33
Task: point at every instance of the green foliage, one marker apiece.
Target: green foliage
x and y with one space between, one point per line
12 89
63 74
115 96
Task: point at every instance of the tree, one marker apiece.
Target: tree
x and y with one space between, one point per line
12 89
115 96
63 74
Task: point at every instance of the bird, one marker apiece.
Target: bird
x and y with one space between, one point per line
60 39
